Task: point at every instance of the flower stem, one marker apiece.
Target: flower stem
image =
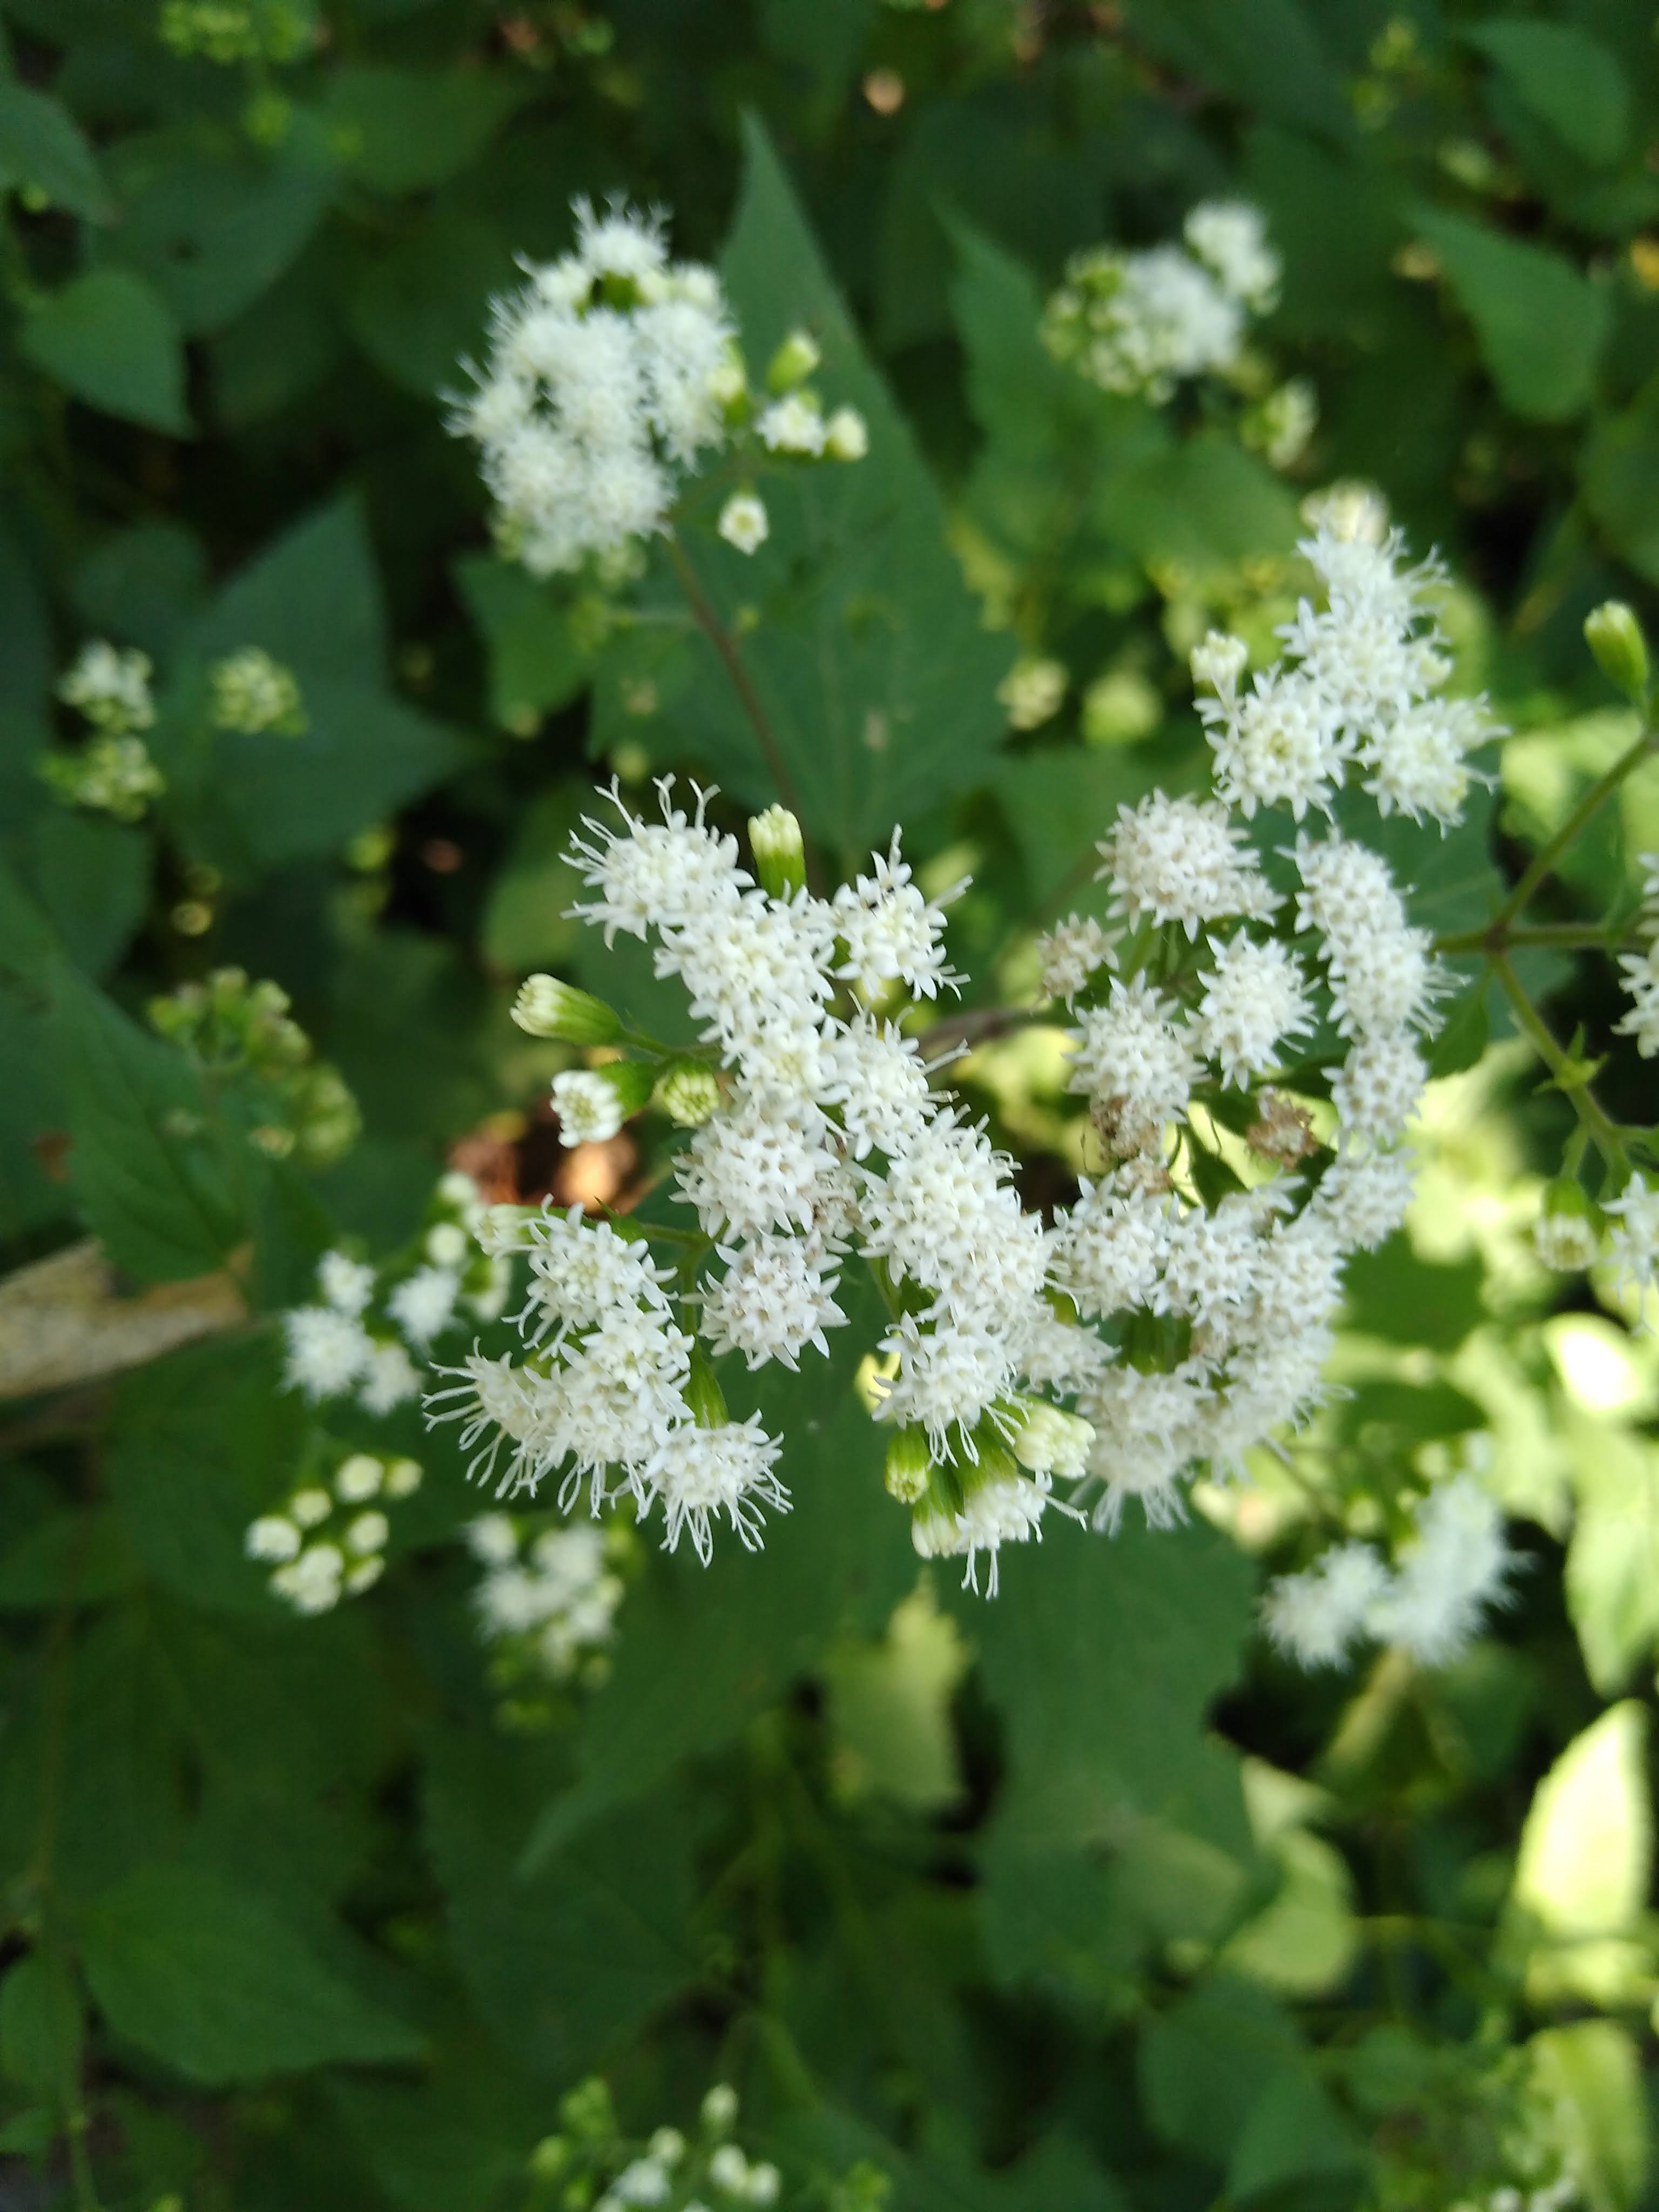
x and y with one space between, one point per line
1601 1131
1496 937
726 647
1543 862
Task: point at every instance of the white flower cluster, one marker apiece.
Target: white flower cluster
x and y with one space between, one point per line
1358 687
1141 321
1641 970
356 1340
318 1559
113 773
254 693
610 371
111 687
1431 1603
667 2171
554 1599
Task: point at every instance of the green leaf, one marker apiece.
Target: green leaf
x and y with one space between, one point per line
1269 56
204 1443
1205 506
1540 323
206 1977
404 130
535 664
1586 1857
1393 1294
41 145
92 876
1589 2077
869 658
1206 2061
109 338
1613 1560
1567 78
1293 2134
841 1559
155 1176
312 600
566 1961
212 229
419 306
82 1556
1621 480
1163 1614
40 2031
526 921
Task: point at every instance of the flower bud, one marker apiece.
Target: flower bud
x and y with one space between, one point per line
704 1396
743 523
1614 636
1566 1234
720 2108
547 1008
550 2158
779 852
846 436
793 361
1051 1443
1218 660
908 1463
689 1093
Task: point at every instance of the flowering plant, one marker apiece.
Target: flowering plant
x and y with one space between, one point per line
827 1158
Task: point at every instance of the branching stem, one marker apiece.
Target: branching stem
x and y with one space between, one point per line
1543 862
1602 1134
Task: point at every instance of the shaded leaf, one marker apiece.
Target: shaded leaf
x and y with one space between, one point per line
108 338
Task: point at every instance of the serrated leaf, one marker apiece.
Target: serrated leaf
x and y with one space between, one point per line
839 1560
208 1977
312 601
566 1960
205 1442
155 1175
869 658
109 338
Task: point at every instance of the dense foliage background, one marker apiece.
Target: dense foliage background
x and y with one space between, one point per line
1079 1900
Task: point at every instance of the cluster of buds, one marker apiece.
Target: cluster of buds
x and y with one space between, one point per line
595 2163
328 1539
241 1034
255 695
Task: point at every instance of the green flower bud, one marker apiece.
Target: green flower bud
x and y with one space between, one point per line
909 1461
846 436
774 838
550 2158
704 1396
1614 636
1050 1441
547 1008
1567 1234
720 2109
689 1093
793 361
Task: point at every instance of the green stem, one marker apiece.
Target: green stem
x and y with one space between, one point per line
1549 853
731 659
1601 1131
1557 936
